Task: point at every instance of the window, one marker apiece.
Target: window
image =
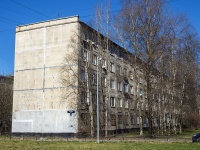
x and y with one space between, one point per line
83 75
154 107
126 104
118 69
131 75
131 104
126 119
132 119
146 120
103 45
126 87
86 45
136 91
142 106
146 106
125 71
103 63
94 59
131 89
85 55
119 86
94 78
138 120
104 81
141 92
155 121
119 54
113 119
112 84
104 99
112 102
138 105
120 103
120 119
83 97
94 98
112 50
112 67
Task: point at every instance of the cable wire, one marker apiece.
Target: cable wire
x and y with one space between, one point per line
10 10
30 8
11 20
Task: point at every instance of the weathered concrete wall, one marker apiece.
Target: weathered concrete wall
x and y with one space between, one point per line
38 104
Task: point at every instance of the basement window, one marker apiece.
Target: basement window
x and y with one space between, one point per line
113 119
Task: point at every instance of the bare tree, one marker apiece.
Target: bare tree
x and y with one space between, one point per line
144 28
161 49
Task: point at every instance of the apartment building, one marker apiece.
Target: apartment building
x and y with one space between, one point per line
59 67
121 85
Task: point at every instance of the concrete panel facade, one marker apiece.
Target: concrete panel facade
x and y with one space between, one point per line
38 104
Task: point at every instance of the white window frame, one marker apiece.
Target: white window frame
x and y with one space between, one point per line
94 98
83 75
94 78
125 71
137 105
112 101
131 89
120 69
141 92
119 86
136 91
120 103
138 120
112 84
112 67
94 59
104 81
126 103
125 87
85 55
103 63
131 76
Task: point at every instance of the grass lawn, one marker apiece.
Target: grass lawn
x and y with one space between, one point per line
187 134
156 144
30 144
